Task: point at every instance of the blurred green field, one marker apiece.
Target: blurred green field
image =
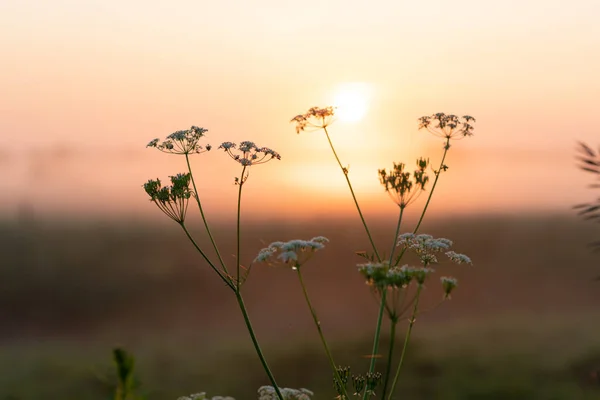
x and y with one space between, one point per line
523 323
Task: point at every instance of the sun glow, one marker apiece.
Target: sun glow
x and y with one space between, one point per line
352 101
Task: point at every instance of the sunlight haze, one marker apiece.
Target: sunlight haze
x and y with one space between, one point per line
86 85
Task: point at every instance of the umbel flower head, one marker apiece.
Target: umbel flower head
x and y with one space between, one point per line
426 247
448 126
315 118
269 393
382 276
203 396
295 252
401 186
448 284
182 142
249 153
172 200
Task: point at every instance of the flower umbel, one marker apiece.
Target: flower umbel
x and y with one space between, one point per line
172 200
402 188
249 153
448 126
314 118
182 142
458 258
203 396
295 252
424 246
448 284
268 393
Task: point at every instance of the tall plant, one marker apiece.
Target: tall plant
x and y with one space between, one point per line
397 286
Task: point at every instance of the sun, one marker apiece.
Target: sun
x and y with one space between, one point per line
352 101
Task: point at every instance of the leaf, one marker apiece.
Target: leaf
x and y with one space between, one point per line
589 161
585 148
594 171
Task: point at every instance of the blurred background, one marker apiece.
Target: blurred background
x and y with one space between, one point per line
88 263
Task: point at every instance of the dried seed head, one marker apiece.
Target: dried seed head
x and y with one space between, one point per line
182 142
448 126
315 118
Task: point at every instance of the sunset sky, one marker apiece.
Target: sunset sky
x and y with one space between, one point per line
84 85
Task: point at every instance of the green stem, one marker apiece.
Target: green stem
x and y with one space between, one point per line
388 368
263 361
437 176
377 334
395 243
221 275
345 171
411 322
214 244
383 304
318 325
238 233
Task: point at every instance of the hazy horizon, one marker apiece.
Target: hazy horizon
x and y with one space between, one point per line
86 85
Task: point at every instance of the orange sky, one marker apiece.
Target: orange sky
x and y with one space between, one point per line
85 85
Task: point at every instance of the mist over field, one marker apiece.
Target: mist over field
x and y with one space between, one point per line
71 290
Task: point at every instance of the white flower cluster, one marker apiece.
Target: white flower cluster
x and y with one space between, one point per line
295 252
382 275
202 396
268 393
426 247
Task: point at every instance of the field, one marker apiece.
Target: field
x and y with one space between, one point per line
523 323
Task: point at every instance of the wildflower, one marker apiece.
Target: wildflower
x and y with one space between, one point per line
373 379
424 246
295 252
399 184
250 153
381 275
268 393
358 383
375 273
315 118
458 258
344 375
202 396
172 200
420 274
398 277
448 126
448 284
428 259
182 142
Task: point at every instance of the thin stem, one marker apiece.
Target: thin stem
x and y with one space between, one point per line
411 323
383 305
394 322
263 361
345 171
362 218
238 233
437 176
214 244
395 243
318 325
221 275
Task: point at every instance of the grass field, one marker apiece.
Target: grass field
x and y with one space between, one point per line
523 323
